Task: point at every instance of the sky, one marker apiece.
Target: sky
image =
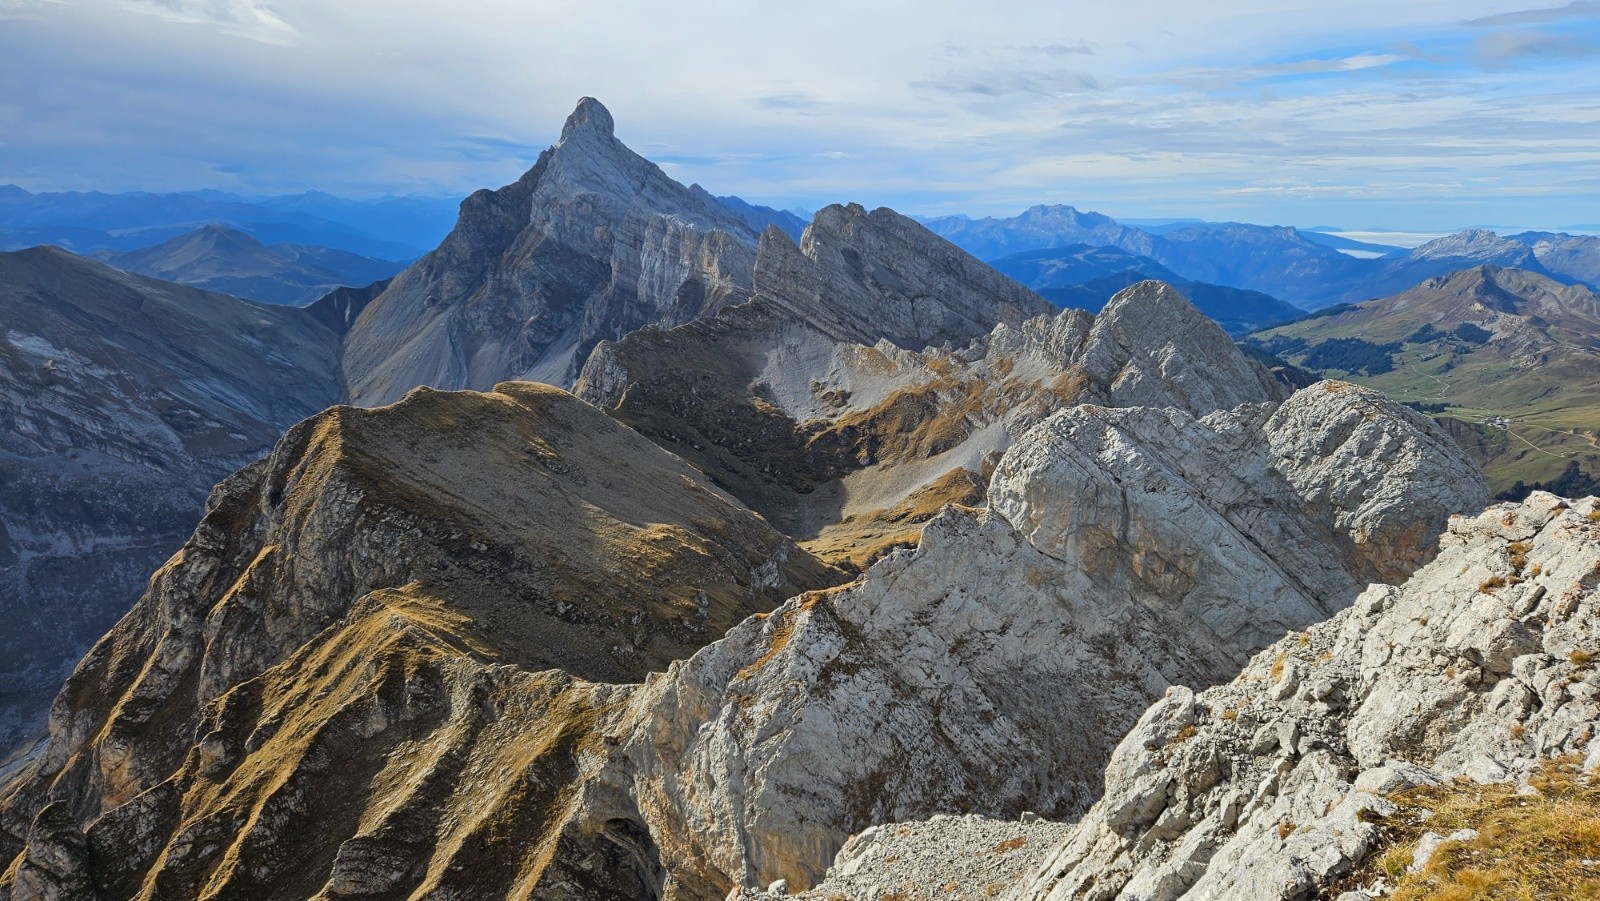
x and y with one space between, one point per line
1415 115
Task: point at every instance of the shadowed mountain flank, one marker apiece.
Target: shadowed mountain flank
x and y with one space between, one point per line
124 399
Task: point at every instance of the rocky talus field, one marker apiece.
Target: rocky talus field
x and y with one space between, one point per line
849 568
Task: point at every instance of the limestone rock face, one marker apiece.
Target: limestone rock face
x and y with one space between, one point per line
1257 521
851 442
1125 550
931 686
1386 478
1152 348
1269 786
123 400
400 619
860 277
591 244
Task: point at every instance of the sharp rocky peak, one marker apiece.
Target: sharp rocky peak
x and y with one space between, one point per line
590 117
860 276
1151 347
592 243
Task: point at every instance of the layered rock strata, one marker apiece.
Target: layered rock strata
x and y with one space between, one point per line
1273 785
1279 784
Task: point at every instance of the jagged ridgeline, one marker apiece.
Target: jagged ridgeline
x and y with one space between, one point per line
504 642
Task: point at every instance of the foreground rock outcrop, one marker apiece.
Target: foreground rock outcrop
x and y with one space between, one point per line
382 647
1271 786
1276 784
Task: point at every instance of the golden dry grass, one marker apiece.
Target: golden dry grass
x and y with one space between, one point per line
859 540
1528 848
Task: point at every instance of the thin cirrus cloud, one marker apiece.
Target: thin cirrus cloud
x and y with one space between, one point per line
1506 49
1427 114
242 18
1578 9
999 82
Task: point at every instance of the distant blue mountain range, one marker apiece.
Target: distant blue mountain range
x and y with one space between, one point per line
1308 268
399 229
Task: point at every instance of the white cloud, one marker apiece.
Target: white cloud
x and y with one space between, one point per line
1202 109
243 18
1505 49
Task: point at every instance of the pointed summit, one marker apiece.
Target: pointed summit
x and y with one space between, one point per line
1150 347
590 244
590 117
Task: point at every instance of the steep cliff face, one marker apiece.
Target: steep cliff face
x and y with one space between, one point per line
860 277
123 400
935 685
1256 520
1287 781
392 612
592 243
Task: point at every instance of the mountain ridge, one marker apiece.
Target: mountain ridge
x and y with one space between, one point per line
228 261
1508 355
522 288
1280 261
1088 277
125 400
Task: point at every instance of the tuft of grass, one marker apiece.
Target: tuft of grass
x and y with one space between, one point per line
1277 668
1286 828
1594 516
1230 714
1528 847
1490 584
1395 862
1580 658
